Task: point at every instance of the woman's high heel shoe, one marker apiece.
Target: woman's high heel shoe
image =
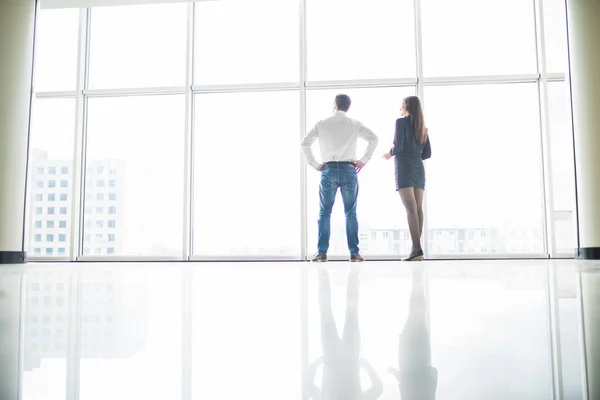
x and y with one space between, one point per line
415 256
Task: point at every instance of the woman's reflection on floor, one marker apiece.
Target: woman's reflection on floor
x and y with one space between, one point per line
417 379
341 357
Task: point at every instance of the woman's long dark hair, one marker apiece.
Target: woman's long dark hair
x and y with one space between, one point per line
413 106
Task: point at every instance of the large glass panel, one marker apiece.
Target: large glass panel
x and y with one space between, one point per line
247 325
247 174
138 46
381 219
484 183
360 40
474 37
134 176
131 334
489 325
240 41
50 178
56 49
555 24
563 170
45 334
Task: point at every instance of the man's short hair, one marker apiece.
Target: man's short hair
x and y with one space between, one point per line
343 102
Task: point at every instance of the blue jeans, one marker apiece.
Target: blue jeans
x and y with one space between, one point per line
334 176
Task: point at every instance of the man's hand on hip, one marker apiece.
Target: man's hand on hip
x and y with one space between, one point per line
358 165
320 167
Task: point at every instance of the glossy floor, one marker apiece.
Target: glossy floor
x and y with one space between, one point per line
445 330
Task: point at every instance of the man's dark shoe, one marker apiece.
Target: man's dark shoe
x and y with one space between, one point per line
356 258
320 258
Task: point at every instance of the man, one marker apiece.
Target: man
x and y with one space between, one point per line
337 137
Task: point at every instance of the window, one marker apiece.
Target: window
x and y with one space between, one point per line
386 235
62 238
37 238
64 170
490 203
52 170
563 175
63 197
112 196
112 210
112 223
100 169
158 122
99 196
100 183
39 170
110 250
39 184
51 184
373 235
97 251
379 201
556 36
396 235
39 197
355 55
38 224
64 184
87 237
112 183
56 50
256 56
63 210
99 224
159 56
61 251
450 47
38 210
49 238
49 251
277 114
111 237
37 251
99 210
49 224
50 210
51 197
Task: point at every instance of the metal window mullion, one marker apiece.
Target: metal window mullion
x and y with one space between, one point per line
56 94
141 91
546 157
77 169
243 88
480 79
188 140
360 83
420 92
186 327
302 98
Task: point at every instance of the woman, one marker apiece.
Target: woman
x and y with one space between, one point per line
411 147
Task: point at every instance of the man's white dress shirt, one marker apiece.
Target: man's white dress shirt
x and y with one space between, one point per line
337 137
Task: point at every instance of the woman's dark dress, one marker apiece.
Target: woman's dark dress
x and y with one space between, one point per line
409 155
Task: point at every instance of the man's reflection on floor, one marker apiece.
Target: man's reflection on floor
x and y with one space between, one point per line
341 357
417 379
